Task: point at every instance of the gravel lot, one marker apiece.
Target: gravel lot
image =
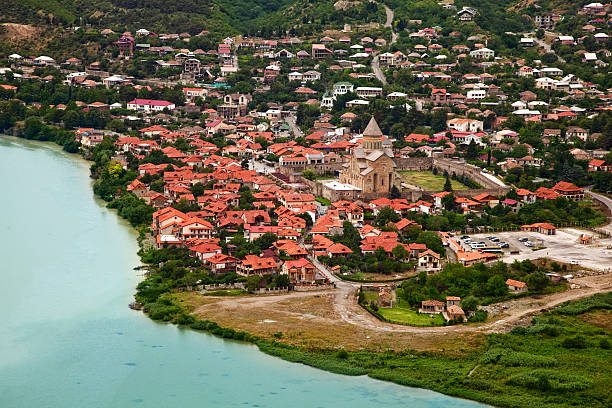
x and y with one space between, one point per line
563 246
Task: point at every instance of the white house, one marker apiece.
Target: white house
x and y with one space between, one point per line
150 105
482 53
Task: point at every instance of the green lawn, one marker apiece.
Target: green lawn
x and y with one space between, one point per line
402 313
428 181
410 317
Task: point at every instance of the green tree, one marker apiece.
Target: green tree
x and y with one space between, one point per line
537 280
448 186
309 174
432 241
386 215
400 253
448 202
496 286
395 193
469 304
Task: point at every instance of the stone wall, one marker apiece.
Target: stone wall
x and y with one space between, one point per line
414 163
461 168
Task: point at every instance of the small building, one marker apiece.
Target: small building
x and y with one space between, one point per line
453 300
541 227
299 271
431 306
455 312
515 286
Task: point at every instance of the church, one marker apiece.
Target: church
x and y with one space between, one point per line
371 167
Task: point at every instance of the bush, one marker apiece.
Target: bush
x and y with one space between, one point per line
185 319
479 316
342 354
161 311
604 344
576 342
598 301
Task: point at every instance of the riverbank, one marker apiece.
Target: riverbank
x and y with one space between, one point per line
553 362
447 371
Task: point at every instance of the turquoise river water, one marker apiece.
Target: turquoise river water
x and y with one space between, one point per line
68 339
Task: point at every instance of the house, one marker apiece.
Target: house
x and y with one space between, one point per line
428 260
465 125
515 286
221 263
255 265
472 258
431 306
569 190
453 301
599 165
233 106
299 271
455 312
319 51
585 239
150 105
482 53
467 14
541 227
577 132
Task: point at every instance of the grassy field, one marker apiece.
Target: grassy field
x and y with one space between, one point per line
402 313
410 317
558 361
428 181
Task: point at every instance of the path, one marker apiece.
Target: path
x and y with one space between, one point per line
547 48
346 306
375 61
297 132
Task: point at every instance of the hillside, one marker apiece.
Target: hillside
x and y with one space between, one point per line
193 16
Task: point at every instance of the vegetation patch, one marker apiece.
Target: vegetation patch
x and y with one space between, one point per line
429 181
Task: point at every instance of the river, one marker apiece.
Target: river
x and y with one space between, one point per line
68 339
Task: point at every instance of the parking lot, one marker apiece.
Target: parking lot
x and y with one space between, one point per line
563 246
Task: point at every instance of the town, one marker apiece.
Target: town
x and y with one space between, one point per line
399 173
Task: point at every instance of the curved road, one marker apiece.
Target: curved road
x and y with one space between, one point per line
345 304
608 203
375 62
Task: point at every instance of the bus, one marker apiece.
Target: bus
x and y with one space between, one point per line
490 250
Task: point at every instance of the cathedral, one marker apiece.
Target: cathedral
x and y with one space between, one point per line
371 167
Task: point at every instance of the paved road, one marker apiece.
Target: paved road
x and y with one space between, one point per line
377 71
375 62
389 23
547 48
297 132
608 202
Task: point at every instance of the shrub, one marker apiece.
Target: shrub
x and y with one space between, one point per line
161 311
598 301
547 380
577 342
342 354
479 316
185 319
604 344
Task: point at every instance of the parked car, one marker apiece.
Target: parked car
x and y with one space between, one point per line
504 245
523 239
494 239
528 244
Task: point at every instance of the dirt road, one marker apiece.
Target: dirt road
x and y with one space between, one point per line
347 308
